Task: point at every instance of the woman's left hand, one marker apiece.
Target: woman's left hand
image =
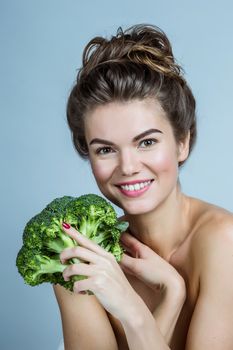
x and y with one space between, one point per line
149 267
105 278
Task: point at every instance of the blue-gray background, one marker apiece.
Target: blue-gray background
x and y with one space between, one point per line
40 51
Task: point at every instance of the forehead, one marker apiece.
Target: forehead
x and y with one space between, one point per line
125 118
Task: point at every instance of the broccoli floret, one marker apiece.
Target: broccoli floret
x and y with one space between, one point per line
36 267
44 239
44 230
93 212
58 205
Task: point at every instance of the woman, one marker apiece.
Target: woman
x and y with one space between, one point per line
132 115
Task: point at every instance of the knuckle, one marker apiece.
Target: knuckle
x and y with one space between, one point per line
75 250
95 281
135 245
109 263
103 275
73 269
111 257
137 267
76 287
107 255
99 281
62 256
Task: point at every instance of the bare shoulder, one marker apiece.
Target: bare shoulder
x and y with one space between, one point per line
213 228
84 321
213 251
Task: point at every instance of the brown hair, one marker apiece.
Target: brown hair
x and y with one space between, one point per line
137 63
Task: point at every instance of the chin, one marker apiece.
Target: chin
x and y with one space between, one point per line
136 206
139 208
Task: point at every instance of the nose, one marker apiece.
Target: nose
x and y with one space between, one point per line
129 163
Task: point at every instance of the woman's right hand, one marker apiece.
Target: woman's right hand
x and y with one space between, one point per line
104 277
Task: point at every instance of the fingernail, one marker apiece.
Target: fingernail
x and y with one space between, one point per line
65 225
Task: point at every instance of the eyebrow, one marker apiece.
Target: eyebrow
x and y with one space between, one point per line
136 138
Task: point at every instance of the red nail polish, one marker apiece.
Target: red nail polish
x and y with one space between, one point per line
65 225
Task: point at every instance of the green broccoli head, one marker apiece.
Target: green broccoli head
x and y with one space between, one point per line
44 239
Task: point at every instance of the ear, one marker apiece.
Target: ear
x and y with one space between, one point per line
183 148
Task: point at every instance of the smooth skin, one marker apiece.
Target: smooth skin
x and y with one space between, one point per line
135 141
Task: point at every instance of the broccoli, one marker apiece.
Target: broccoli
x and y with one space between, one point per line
44 239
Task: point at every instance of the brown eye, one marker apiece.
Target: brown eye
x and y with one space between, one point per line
148 142
103 150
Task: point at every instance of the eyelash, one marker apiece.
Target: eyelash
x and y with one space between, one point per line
98 150
152 142
101 149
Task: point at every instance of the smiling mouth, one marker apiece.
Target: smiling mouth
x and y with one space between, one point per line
136 189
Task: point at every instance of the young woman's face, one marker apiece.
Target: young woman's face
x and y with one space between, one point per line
133 154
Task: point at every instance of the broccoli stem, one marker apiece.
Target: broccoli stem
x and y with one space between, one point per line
89 226
57 245
49 265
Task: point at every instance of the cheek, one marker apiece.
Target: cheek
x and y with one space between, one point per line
101 172
165 162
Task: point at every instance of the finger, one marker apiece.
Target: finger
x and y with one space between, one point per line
83 285
78 269
79 252
126 270
126 249
133 245
128 263
82 240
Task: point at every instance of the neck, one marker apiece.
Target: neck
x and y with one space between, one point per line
165 228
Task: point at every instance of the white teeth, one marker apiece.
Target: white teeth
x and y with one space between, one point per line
136 186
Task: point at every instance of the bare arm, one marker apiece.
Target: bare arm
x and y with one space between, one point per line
84 322
141 330
167 312
145 330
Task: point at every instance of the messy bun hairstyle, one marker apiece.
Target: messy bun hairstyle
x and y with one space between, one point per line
137 63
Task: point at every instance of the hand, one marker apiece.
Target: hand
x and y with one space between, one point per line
105 278
149 267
